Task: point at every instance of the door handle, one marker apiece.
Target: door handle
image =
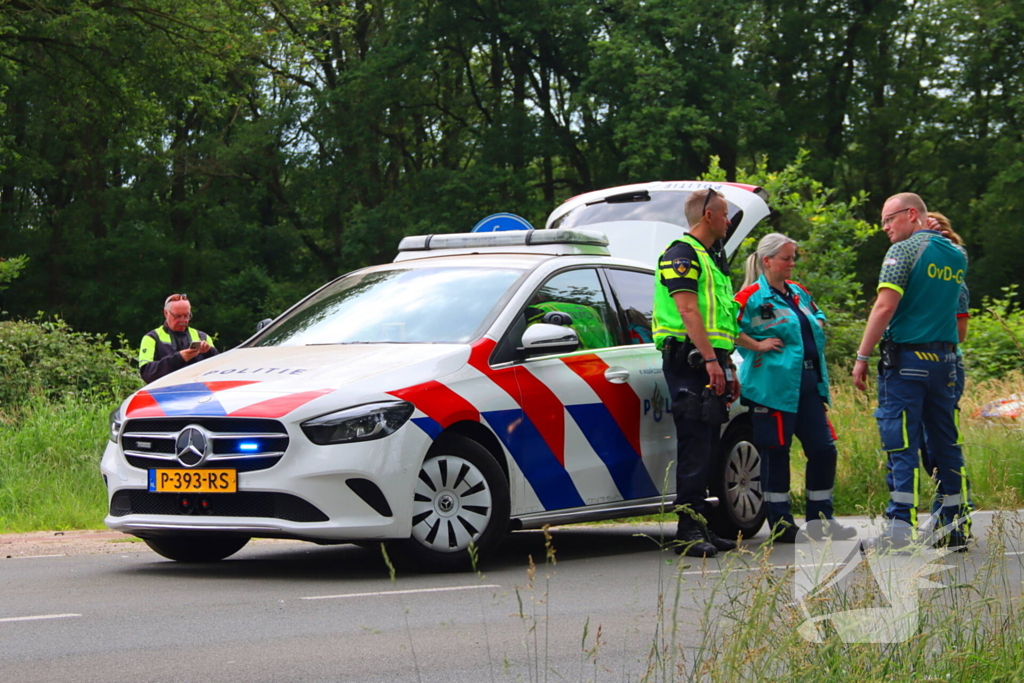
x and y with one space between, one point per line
617 375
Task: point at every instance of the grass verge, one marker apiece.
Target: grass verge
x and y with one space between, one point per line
49 466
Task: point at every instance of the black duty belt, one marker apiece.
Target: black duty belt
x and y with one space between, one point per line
928 346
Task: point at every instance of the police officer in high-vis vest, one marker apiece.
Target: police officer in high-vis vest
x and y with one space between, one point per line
695 327
914 317
174 344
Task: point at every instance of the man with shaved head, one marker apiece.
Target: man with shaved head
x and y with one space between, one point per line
914 318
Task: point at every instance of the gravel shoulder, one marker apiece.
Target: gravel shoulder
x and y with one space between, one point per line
80 542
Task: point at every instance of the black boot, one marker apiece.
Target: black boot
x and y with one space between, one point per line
720 543
691 542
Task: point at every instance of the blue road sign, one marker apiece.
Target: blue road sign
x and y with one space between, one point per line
500 222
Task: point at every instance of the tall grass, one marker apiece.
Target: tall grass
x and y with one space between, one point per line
49 466
968 626
970 631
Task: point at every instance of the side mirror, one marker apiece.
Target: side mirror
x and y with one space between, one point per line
547 338
263 323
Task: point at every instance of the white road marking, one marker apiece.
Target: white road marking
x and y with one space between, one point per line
40 616
757 569
407 592
32 557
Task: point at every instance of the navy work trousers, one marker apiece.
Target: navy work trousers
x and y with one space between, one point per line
697 442
919 395
773 435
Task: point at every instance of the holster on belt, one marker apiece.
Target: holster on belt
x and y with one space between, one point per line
676 352
707 407
890 355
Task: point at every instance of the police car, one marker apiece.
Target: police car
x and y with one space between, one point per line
480 383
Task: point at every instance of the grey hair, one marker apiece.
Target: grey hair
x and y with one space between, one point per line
769 246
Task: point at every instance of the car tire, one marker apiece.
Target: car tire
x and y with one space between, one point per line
736 482
460 508
196 548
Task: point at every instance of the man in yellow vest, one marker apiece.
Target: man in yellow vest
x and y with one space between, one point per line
174 344
695 327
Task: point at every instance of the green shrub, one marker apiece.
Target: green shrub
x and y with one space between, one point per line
47 359
995 337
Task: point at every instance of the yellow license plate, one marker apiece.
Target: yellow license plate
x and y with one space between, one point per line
193 481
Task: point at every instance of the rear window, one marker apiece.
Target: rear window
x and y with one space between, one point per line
661 207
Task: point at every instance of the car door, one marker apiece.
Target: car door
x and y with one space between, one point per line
632 292
585 405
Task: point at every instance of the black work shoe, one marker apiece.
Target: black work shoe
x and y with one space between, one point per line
721 544
692 544
820 530
890 545
955 540
789 534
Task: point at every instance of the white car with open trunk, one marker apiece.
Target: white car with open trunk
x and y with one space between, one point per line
480 383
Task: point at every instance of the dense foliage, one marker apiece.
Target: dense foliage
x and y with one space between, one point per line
47 360
995 338
245 151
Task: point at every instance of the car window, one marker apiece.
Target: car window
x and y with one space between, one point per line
579 294
661 207
400 305
634 292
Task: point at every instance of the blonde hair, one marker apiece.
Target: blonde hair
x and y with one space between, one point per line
947 228
770 245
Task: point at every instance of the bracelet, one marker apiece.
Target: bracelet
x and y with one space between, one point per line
710 360
863 358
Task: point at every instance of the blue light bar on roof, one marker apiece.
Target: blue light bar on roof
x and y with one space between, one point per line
510 238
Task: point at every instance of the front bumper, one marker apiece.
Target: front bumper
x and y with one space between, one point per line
309 494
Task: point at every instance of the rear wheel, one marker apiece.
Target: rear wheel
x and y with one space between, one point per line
461 501
736 481
196 548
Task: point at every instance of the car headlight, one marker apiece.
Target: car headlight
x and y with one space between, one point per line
115 424
361 423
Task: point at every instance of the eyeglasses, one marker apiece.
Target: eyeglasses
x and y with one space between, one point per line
707 198
175 297
888 219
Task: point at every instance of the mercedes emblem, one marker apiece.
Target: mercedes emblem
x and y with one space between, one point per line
191 446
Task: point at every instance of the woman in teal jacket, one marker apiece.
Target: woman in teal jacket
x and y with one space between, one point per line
784 381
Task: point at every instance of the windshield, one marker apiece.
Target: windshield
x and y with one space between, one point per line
663 207
441 305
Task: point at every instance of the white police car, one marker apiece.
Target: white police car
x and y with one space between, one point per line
480 383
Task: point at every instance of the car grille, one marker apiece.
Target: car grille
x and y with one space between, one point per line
242 504
149 442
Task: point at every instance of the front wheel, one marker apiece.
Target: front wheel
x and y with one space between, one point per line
460 508
196 548
736 481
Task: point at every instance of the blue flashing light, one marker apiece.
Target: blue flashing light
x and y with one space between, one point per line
248 446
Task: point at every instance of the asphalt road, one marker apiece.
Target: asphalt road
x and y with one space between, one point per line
300 612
